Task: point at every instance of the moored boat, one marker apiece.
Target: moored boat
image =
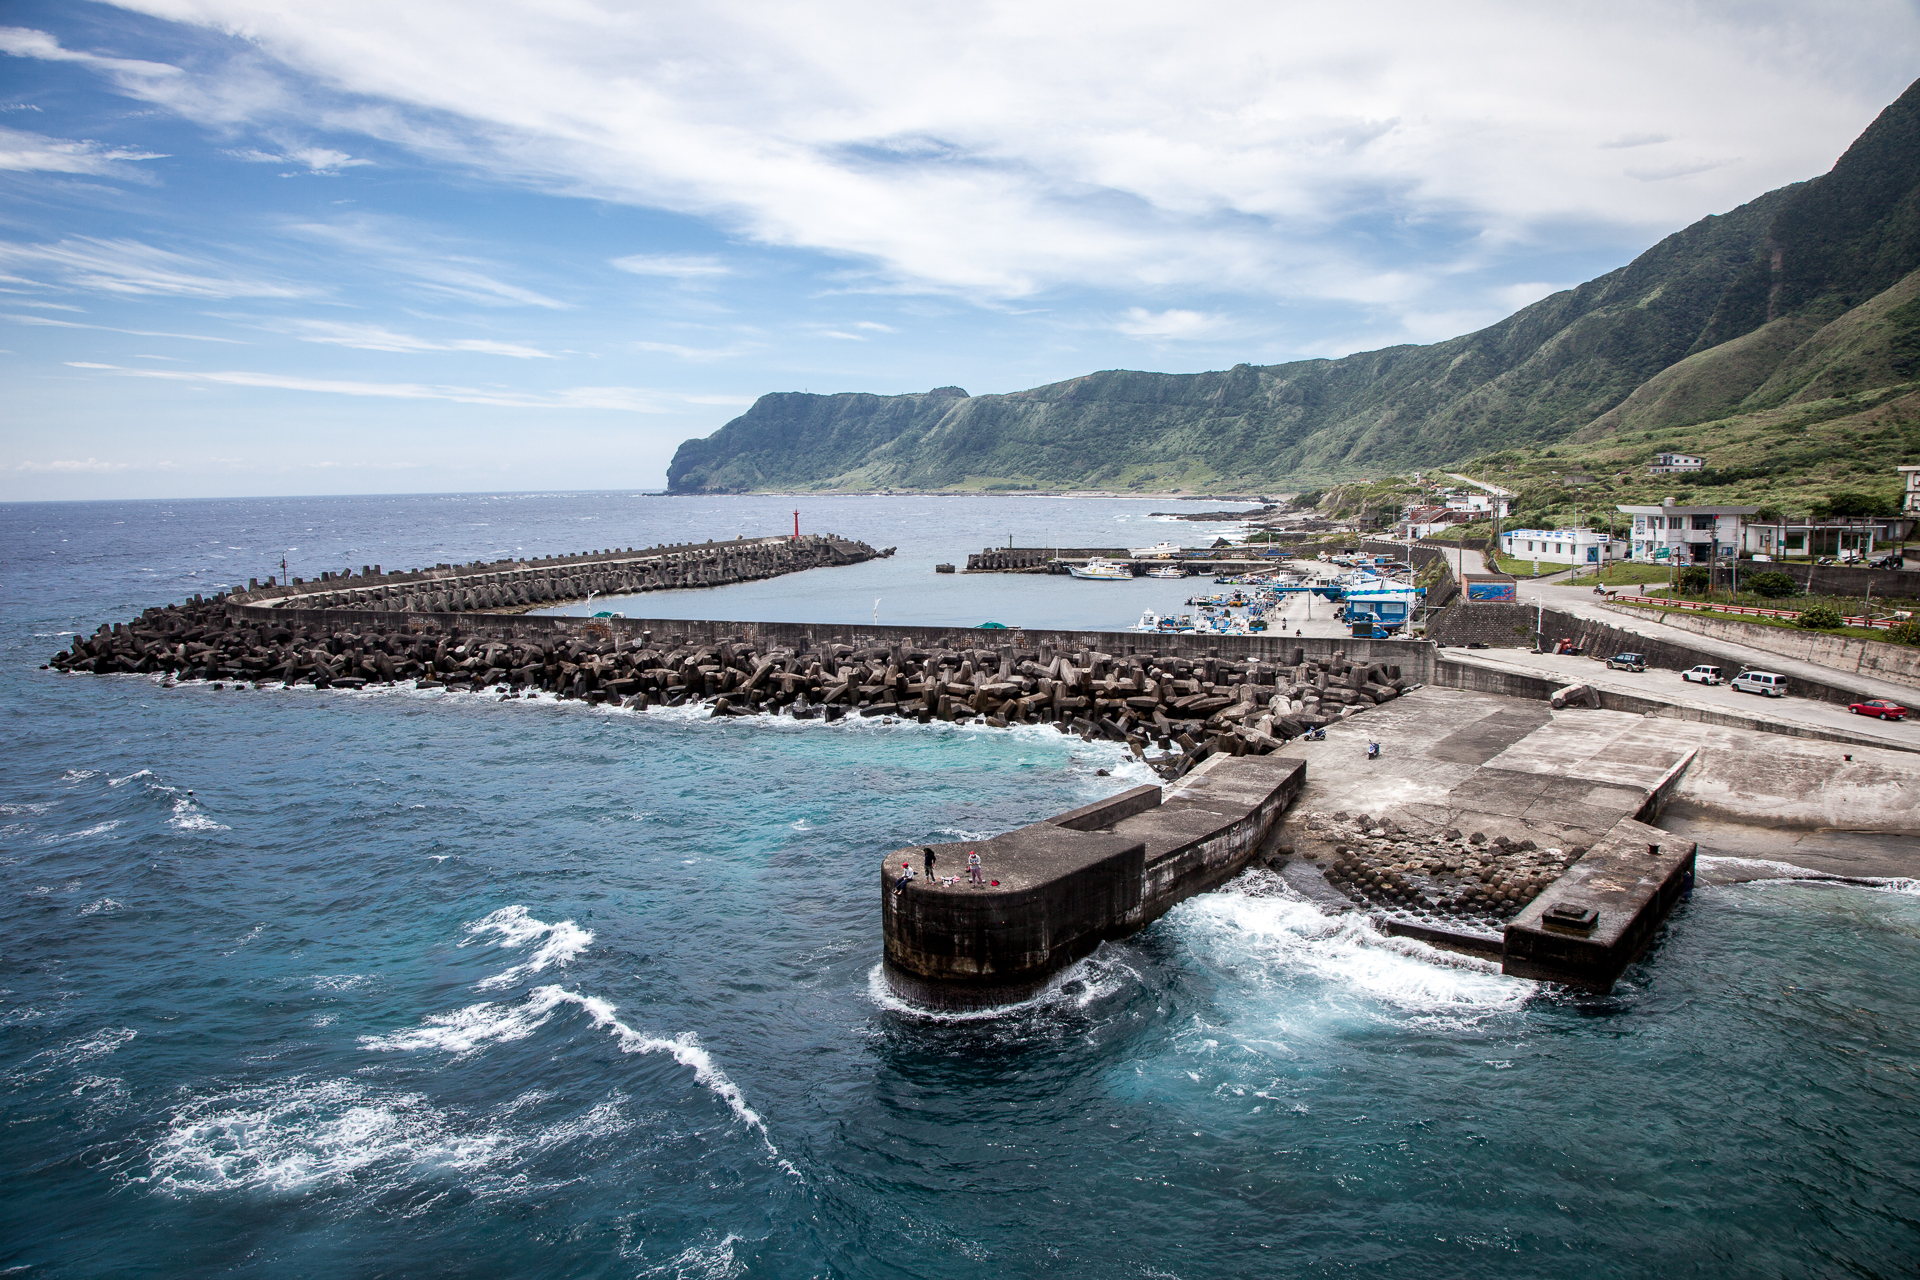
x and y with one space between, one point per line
1102 570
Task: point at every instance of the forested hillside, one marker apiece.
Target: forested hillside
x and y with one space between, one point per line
1782 300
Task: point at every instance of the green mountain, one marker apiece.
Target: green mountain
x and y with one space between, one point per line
1776 301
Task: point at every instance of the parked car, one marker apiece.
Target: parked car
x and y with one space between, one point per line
1893 561
1766 682
1703 674
1627 662
1880 708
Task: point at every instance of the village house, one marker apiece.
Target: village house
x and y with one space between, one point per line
1667 463
1672 534
1562 546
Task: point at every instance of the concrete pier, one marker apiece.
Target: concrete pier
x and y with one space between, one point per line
1073 881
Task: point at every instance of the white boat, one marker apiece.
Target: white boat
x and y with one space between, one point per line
1102 570
1166 571
1159 551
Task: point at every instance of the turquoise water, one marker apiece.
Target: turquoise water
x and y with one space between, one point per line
429 984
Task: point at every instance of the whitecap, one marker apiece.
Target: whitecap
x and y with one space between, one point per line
121 782
186 817
98 1045
297 1135
106 906
702 1262
563 941
98 829
468 1030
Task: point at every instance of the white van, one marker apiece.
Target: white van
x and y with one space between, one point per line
1761 682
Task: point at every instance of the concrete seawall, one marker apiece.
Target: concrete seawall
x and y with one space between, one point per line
1073 881
523 584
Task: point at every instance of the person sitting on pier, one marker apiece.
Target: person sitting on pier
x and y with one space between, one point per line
906 878
973 868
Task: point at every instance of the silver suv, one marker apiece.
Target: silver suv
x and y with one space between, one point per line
1766 682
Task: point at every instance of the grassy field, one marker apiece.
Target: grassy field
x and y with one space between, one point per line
1859 633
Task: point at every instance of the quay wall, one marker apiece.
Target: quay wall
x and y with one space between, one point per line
1062 886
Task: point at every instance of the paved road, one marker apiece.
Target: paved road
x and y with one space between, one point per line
1582 603
1667 686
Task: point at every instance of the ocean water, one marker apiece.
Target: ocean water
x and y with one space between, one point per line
390 983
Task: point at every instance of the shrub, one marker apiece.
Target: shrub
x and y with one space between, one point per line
1695 580
1904 633
1821 617
1773 584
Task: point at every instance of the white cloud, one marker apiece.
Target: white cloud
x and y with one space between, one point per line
1000 149
373 337
680 266
318 160
1173 323
48 322
73 465
698 354
128 267
24 42
626 399
413 253
21 150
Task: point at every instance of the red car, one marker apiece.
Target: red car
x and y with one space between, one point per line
1877 707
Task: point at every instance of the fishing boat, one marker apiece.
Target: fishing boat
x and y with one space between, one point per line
1166 571
1165 623
1102 570
1158 551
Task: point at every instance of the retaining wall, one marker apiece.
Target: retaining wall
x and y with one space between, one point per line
1899 663
1513 625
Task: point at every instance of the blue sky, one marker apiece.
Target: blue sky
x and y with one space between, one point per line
279 247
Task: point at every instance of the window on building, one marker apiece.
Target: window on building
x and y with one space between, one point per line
1796 541
1639 524
1703 522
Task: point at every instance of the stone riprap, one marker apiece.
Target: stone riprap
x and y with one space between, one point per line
1053 891
525 584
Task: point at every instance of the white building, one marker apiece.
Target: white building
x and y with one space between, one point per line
1912 476
1561 546
1670 534
1665 463
1479 503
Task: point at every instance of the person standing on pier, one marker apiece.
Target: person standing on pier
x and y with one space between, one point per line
931 859
973 868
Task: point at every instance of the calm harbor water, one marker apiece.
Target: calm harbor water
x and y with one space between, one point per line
423 984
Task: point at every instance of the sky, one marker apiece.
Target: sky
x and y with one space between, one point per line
254 247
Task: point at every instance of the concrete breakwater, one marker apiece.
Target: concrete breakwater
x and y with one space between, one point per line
1193 696
1051 892
522 584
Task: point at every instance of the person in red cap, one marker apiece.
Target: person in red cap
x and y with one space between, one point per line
906 878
